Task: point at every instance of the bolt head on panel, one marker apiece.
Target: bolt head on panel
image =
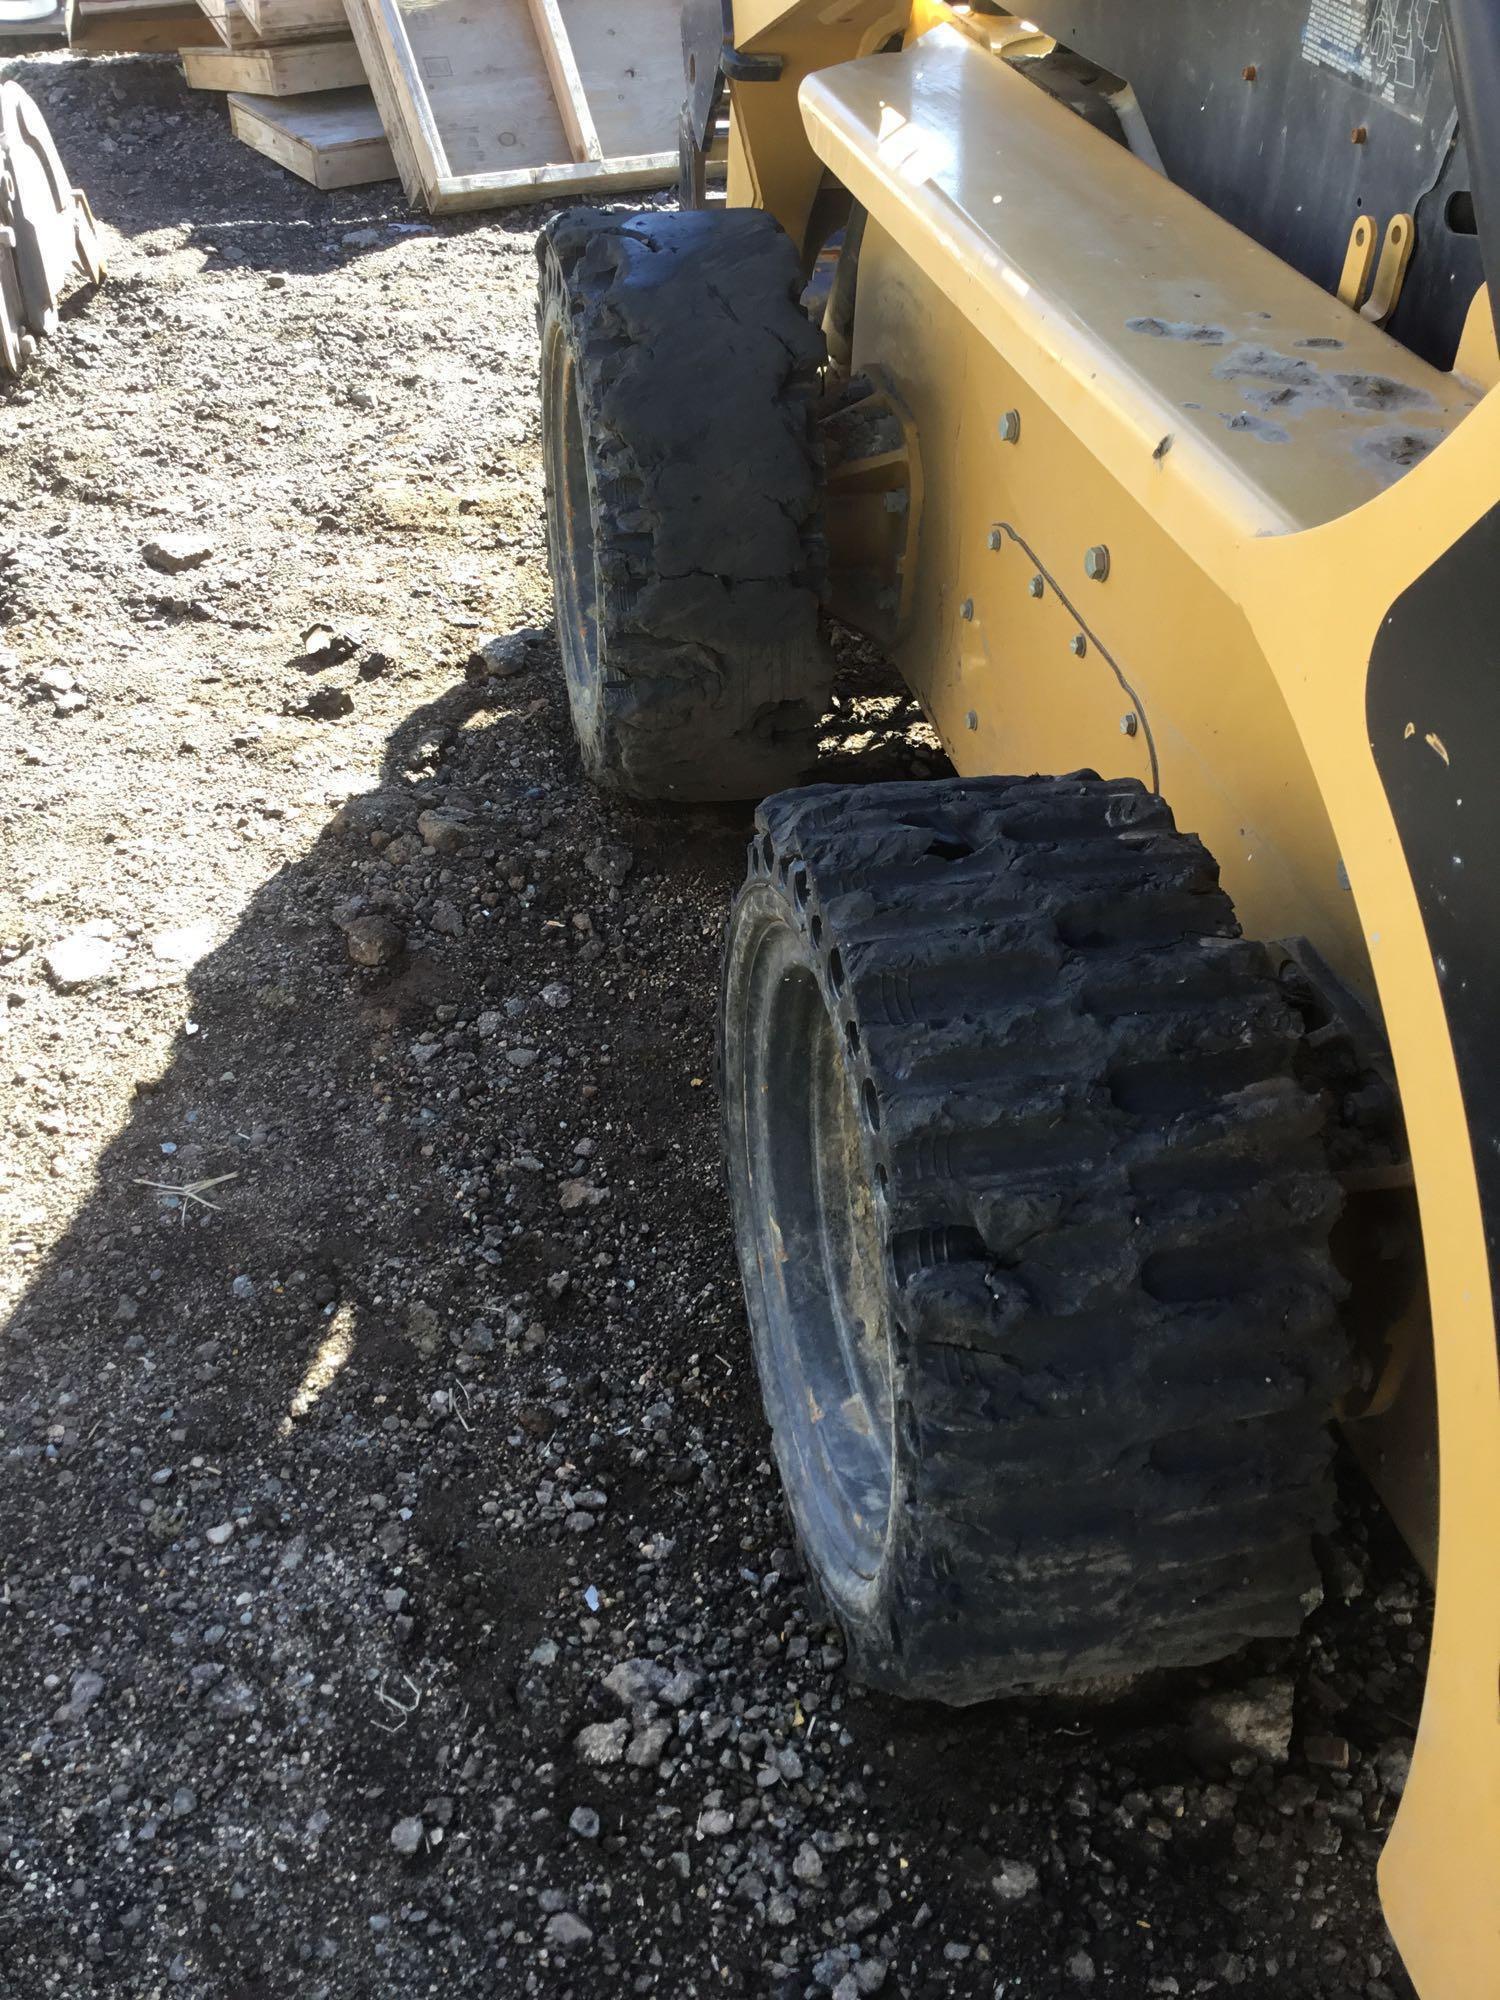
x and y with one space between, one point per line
1096 563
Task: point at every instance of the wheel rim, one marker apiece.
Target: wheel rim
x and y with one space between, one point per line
570 525
808 1218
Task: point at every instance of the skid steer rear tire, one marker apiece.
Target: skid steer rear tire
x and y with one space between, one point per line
684 499
1033 1221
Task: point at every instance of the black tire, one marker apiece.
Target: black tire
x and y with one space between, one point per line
1033 1222
684 499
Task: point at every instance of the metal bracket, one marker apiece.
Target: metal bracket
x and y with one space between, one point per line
740 68
1395 255
1358 259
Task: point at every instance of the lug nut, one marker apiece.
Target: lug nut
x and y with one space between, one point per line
1036 586
1010 427
1096 563
966 610
1129 723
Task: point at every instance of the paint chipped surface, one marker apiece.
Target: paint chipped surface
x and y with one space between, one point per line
1179 329
1257 427
1389 453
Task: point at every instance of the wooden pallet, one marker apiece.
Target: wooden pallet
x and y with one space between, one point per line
333 139
493 102
289 69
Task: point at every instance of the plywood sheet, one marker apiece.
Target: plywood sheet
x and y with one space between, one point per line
472 89
291 69
333 139
629 58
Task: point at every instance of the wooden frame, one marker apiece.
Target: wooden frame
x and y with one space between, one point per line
332 138
582 95
289 69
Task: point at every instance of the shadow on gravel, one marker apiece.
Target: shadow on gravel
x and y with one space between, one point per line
390 1389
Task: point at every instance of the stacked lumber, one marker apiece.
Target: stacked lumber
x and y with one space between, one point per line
295 87
490 102
475 103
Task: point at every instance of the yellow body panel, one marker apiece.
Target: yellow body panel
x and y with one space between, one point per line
1264 502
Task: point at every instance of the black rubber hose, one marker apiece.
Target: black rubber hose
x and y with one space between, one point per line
1474 54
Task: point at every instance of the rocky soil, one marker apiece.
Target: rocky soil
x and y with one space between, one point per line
395 1594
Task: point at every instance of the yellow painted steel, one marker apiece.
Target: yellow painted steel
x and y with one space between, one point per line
1268 472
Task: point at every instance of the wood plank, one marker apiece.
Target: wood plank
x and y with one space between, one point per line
290 69
387 101
567 85
287 20
459 194
231 24
333 139
629 55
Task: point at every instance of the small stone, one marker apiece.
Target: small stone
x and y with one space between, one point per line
170 554
521 1058
647 1745
85 1691
602 1743
502 659
576 1194
443 832
716 1823
242 1287
360 239
1331 1752
70 703
220 1534
584 1821
1256 1718
406 1835
634 1681
808 1866
446 919
374 941
1015 1881
609 862
556 995
184 1801
78 960
1080 1967
183 946
565 1931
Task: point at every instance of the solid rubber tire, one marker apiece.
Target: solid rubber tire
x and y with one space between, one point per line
679 375
1102 1209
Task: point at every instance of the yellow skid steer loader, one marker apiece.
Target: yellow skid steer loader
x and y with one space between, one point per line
1098 1132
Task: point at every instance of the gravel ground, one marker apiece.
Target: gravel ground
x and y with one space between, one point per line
397 1598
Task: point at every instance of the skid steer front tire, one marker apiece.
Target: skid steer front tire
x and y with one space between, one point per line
684 499
1033 1222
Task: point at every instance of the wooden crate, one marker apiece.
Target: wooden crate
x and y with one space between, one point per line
333 139
289 69
492 102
